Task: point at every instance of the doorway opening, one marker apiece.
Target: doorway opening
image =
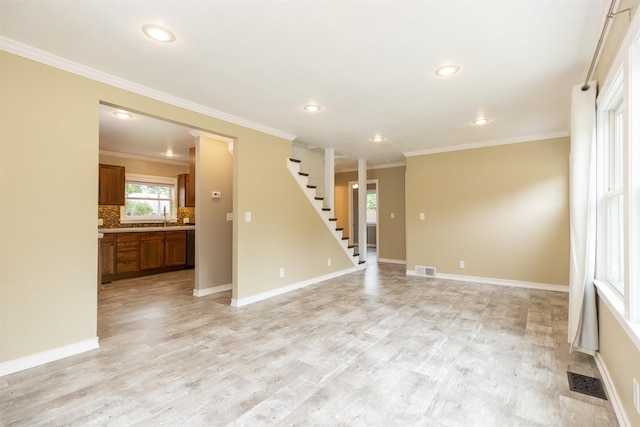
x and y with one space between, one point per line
371 215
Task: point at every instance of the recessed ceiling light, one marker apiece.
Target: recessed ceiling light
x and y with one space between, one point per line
123 115
169 153
354 186
158 33
481 121
312 108
377 138
447 70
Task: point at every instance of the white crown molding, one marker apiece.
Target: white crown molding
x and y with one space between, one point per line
484 144
145 158
29 52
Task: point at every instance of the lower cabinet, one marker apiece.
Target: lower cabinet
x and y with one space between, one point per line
125 255
108 254
152 250
176 248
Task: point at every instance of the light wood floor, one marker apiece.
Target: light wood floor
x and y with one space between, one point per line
373 348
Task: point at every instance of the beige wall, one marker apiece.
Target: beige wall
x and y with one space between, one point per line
503 210
214 237
391 231
285 231
49 148
618 27
621 359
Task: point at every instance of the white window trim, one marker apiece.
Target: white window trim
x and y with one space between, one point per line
154 180
609 102
626 308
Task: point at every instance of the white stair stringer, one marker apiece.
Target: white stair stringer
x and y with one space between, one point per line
294 168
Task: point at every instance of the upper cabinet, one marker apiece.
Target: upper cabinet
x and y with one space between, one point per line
191 189
187 183
111 185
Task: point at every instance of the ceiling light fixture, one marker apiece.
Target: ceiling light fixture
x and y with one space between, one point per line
377 138
447 70
169 153
123 115
312 108
354 186
480 122
158 33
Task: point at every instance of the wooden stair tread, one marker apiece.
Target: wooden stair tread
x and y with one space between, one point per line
295 160
333 219
319 198
303 174
312 186
339 229
326 209
350 246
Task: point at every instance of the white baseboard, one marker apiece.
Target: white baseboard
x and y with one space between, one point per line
211 290
612 393
38 359
392 261
279 291
500 282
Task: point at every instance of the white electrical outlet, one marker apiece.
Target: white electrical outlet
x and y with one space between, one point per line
393 215
329 261
636 395
421 216
100 222
185 220
461 264
229 216
247 217
282 272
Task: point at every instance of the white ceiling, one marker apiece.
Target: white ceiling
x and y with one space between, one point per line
369 64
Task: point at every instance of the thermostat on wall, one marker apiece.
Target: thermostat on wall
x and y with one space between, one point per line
216 194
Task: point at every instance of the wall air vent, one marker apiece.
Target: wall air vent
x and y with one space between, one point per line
422 270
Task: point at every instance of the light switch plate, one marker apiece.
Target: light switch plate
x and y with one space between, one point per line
229 216
247 216
185 220
100 222
421 216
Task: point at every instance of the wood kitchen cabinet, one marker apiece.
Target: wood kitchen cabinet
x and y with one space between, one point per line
111 185
127 252
176 248
107 255
141 253
152 250
191 189
186 197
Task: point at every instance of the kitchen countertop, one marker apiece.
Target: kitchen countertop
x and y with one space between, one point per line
143 229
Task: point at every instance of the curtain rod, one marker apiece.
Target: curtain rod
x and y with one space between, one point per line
610 15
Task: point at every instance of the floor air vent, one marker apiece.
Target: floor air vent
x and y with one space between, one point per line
586 385
422 270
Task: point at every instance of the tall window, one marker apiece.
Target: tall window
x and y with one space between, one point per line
372 207
613 195
149 198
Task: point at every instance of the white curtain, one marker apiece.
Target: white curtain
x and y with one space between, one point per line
583 318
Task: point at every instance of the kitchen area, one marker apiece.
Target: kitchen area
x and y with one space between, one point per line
146 205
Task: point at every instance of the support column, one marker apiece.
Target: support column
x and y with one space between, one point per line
329 180
362 209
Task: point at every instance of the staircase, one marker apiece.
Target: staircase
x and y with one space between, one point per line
302 179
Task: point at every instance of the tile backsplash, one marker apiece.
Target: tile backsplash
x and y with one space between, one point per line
110 216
